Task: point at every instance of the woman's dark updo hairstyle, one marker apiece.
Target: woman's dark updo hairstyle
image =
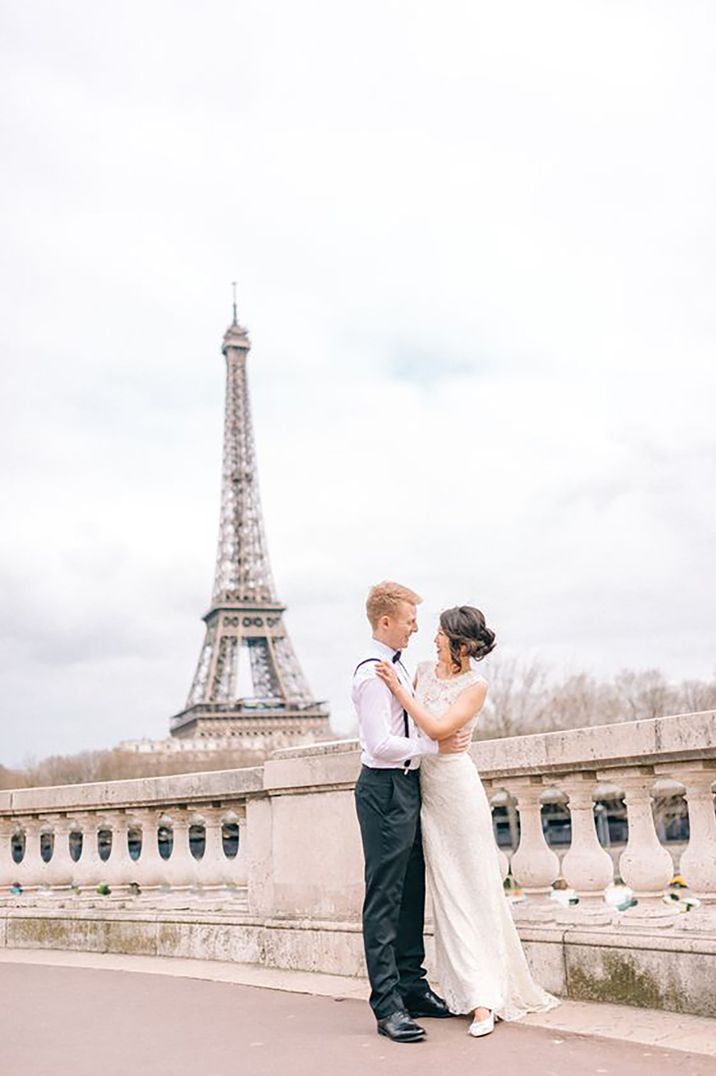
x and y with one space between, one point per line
465 627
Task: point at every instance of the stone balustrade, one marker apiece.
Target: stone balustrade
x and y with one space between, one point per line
131 816
291 895
636 759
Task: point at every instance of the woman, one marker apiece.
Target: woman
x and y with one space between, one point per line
480 962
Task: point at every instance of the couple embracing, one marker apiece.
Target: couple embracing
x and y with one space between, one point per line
422 810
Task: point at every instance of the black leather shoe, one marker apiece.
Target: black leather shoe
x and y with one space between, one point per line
400 1028
427 1004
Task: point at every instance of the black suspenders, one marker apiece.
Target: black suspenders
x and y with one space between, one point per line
367 661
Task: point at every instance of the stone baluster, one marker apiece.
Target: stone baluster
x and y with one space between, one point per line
586 867
239 866
75 826
59 871
120 868
698 860
534 865
30 871
645 865
502 859
8 866
212 870
89 868
180 868
208 867
150 870
23 872
46 870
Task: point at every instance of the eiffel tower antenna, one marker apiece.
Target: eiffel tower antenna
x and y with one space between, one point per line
248 684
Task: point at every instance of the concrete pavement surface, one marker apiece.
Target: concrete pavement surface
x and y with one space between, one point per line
65 1021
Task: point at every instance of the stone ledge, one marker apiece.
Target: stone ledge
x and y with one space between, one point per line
687 738
316 750
651 740
135 793
667 970
599 747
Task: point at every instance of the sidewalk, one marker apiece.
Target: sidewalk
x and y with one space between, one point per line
158 1017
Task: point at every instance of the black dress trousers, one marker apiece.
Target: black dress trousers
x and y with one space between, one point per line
388 807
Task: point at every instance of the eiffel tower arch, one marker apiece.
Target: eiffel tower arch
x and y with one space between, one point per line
248 689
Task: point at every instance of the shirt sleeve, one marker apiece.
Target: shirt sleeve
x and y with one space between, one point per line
373 705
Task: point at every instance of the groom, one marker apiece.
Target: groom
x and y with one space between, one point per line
388 805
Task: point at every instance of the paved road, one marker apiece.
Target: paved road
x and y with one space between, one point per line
57 1021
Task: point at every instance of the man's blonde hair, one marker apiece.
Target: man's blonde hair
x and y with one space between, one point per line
385 598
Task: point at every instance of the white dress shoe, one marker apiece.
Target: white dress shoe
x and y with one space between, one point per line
482 1027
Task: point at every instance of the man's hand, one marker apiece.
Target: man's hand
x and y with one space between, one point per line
456 744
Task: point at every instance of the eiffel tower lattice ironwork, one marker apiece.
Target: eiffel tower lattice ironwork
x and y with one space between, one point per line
248 684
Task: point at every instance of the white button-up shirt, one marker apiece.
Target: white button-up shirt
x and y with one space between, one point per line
381 727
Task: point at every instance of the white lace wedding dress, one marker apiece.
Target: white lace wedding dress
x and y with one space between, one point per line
480 961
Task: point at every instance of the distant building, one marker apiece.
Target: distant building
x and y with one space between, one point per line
249 691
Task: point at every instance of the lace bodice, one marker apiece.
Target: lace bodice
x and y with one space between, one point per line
438 695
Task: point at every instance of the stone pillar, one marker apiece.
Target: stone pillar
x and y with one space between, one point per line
645 865
534 865
586 867
89 868
261 873
150 870
8 866
698 860
501 857
30 872
120 868
211 868
180 868
60 870
239 866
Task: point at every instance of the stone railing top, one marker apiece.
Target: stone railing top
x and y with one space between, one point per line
683 737
180 788
329 747
601 748
659 739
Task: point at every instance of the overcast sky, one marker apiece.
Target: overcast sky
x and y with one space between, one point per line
474 246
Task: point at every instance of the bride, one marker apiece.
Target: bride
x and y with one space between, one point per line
480 962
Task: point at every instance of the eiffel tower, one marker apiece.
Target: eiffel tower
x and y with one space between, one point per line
248 687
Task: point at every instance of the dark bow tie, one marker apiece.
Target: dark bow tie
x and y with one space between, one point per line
396 656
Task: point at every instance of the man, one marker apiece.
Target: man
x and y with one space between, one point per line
388 805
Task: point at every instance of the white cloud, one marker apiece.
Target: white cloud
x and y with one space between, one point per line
475 253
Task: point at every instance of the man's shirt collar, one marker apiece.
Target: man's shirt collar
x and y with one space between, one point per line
383 651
